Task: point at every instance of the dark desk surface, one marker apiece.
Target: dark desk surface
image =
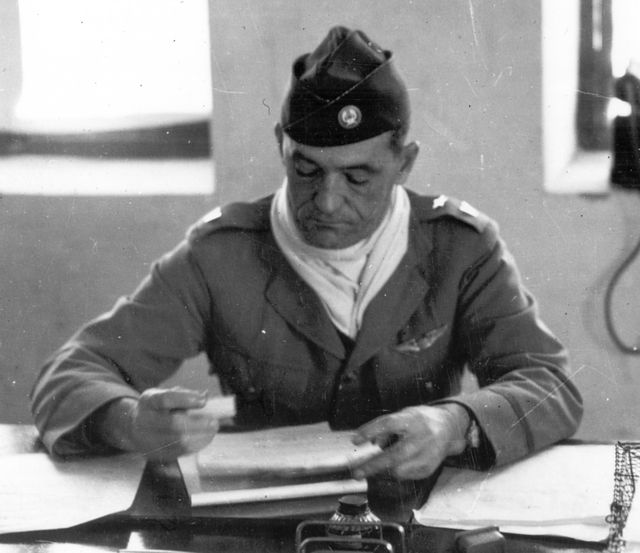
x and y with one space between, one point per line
161 518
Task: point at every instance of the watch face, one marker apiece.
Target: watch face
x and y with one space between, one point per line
473 435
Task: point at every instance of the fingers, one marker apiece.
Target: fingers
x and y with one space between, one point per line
404 461
414 443
170 434
389 460
172 422
382 430
177 422
192 431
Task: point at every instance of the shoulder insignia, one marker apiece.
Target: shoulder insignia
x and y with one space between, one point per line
440 201
240 215
468 209
213 215
432 208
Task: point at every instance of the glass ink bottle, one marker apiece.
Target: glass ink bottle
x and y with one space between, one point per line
354 522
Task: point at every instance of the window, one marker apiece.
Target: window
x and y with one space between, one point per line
579 127
610 47
118 86
595 84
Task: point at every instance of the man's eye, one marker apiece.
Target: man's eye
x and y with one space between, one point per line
357 178
306 172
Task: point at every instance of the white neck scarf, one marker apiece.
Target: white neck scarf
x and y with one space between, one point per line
346 279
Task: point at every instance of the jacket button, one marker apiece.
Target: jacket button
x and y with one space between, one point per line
428 386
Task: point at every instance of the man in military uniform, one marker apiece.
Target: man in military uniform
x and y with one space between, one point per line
343 297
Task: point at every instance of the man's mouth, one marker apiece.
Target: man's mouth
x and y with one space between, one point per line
323 223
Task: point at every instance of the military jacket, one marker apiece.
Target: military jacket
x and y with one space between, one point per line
455 303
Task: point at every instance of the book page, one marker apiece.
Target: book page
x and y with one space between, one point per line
565 490
284 451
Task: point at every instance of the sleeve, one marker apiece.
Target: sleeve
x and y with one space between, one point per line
526 398
138 344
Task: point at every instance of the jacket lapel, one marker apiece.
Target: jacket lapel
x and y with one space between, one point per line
397 301
298 304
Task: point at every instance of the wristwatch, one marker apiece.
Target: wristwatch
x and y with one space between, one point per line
472 435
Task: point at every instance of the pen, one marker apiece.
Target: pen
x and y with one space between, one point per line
151 551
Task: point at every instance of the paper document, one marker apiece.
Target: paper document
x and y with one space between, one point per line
38 493
220 407
272 464
631 532
211 489
286 451
565 490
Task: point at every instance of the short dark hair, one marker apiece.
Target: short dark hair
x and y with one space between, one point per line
398 137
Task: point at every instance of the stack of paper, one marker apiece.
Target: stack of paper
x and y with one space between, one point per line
278 463
631 533
565 490
40 493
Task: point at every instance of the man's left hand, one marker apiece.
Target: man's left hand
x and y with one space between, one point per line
414 441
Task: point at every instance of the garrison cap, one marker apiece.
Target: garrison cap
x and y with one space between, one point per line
345 91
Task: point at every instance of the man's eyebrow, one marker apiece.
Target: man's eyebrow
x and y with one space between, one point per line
362 167
298 156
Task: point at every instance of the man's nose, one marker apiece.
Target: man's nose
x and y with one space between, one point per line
328 196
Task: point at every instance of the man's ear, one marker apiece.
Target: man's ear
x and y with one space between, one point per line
409 154
279 136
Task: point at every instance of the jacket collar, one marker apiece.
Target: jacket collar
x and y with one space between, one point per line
298 304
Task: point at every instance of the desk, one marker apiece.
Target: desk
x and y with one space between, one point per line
161 518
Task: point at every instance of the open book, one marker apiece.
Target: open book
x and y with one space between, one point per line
274 464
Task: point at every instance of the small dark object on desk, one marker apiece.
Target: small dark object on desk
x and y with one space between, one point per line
352 527
354 509
481 540
321 536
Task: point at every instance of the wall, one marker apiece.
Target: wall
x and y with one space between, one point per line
474 72
64 261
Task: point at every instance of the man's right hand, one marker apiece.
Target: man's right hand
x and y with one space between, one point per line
162 424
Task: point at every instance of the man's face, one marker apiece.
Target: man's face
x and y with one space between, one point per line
339 195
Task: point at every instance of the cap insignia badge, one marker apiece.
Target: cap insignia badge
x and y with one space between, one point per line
349 117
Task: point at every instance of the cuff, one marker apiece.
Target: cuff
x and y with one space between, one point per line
70 428
479 453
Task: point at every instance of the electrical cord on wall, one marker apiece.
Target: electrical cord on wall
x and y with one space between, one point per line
625 173
608 303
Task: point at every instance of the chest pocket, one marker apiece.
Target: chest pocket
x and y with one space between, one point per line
415 370
421 342
278 389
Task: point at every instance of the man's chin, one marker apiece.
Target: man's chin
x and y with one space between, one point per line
327 239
